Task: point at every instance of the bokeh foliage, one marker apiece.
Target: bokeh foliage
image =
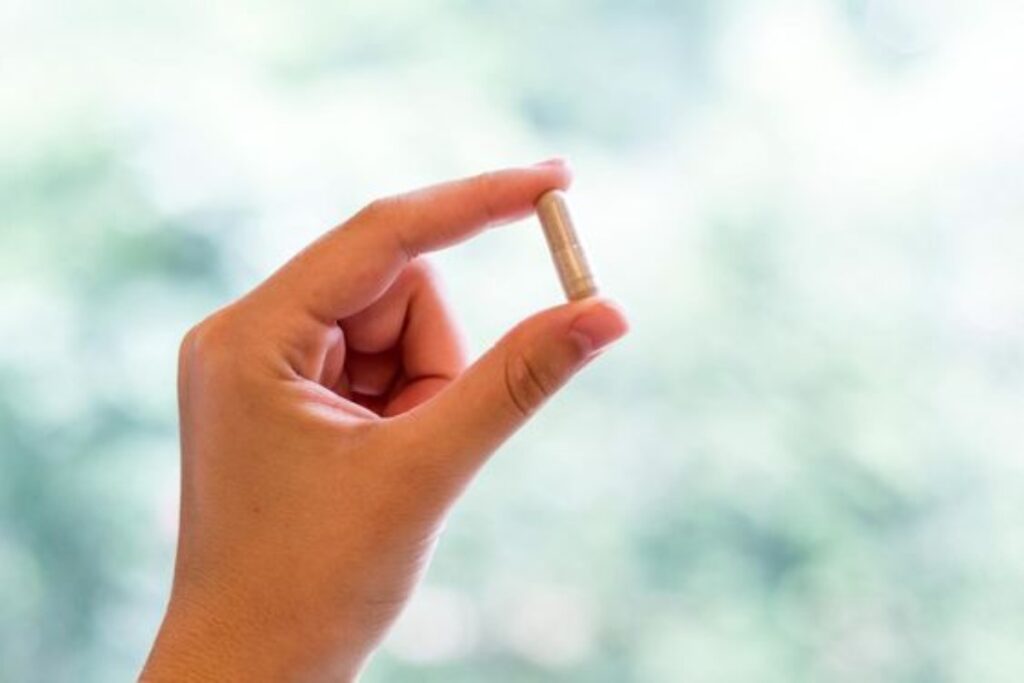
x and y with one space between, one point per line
804 464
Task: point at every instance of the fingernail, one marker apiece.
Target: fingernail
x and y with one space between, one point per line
553 161
600 325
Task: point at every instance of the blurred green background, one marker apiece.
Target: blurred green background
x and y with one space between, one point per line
805 464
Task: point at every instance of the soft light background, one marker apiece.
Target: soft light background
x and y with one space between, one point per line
805 464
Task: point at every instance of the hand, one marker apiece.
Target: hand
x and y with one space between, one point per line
328 423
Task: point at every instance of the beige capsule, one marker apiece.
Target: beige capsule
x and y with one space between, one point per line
564 244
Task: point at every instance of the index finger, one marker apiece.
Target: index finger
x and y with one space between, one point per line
352 265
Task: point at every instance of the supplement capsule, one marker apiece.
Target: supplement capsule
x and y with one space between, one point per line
566 252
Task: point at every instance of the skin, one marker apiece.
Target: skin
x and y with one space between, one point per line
328 423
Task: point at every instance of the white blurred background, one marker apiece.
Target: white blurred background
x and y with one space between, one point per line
804 463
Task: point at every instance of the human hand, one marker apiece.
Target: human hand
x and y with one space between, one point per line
328 423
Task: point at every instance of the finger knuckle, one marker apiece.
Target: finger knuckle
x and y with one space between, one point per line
487 184
528 384
209 342
187 344
422 271
387 213
376 209
381 209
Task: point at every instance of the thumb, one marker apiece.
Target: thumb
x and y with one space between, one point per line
495 396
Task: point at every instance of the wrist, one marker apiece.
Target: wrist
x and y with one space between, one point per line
203 642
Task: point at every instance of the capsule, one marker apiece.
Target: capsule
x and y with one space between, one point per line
566 251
